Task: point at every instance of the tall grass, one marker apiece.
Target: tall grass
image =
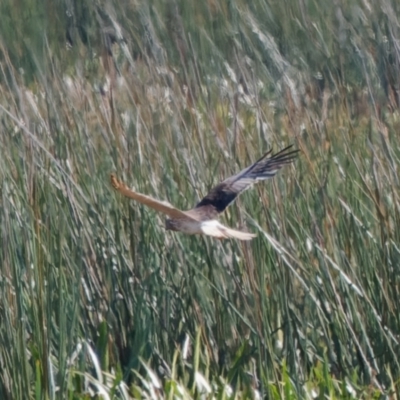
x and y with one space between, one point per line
96 298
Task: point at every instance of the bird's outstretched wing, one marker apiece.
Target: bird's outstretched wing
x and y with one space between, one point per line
161 206
226 192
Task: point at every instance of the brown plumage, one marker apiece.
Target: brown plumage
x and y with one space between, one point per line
202 219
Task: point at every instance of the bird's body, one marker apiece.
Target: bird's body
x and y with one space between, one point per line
202 219
211 227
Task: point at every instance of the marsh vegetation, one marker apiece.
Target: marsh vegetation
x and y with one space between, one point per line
97 299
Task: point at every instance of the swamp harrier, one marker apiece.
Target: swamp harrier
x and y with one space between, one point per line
203 218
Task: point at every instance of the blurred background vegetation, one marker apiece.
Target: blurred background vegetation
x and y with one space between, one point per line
98 300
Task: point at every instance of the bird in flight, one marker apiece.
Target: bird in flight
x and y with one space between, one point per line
203 218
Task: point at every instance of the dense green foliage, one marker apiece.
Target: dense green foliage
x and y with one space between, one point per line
173 96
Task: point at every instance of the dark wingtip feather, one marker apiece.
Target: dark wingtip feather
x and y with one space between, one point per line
282 157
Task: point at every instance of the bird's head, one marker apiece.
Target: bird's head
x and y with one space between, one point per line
170 225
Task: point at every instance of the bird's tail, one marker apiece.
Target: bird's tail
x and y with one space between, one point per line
217 230
232 233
